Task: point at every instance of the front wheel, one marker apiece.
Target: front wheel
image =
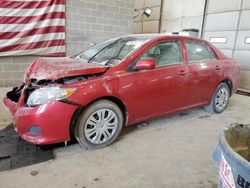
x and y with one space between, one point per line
220 99
99 125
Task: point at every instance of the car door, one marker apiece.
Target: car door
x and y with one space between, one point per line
160 90
205 72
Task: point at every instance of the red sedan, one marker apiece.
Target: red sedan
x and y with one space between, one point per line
117 83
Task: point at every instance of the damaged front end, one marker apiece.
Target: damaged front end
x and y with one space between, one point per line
41 107
29 86
41 111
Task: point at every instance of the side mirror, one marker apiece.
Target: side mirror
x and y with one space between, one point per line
145 64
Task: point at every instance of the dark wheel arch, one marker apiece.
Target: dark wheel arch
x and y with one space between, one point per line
230 85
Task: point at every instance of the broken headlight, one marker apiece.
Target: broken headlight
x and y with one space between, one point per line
48 94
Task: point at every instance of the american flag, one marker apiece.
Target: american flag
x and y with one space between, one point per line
32 27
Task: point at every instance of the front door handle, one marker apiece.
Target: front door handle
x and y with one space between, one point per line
183 72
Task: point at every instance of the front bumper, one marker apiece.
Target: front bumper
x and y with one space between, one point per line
52 119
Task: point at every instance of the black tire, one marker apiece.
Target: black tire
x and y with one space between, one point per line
91 111
212 107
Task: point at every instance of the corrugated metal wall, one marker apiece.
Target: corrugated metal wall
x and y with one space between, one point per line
227 26
182 14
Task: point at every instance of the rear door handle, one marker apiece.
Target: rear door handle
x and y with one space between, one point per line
217 67
183 72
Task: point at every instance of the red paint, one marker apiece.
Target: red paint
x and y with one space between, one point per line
36 31
55 68
29 4
31 19
146 94
33 45
33 25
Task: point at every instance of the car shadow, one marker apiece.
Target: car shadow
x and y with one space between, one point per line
21 153
16 153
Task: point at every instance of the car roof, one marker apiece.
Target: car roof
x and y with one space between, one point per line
159 36
152 36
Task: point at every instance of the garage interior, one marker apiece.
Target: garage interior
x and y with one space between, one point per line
172 151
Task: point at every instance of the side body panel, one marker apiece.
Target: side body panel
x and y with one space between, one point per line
206 75
204 78
149 94
146 93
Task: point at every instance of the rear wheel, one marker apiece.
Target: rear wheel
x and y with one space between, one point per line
219 100
99 125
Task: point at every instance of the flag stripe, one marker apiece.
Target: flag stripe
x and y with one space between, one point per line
33 12
42 30
31 39
40 51
29 4
30 19
32 45
32 27
22 27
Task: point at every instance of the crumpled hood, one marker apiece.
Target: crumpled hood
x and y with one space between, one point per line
55 68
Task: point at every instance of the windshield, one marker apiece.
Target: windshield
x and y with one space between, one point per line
111 52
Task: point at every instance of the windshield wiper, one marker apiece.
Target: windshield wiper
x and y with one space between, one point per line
108 62
116 54
102 50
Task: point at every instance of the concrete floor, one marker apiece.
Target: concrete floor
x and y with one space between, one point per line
174 151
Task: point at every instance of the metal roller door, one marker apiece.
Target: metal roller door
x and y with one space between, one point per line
227 26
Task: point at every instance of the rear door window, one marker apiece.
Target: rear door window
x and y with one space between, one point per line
198 51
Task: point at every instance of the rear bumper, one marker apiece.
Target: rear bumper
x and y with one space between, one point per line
52 121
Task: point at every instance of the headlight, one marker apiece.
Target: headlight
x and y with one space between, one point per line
48 94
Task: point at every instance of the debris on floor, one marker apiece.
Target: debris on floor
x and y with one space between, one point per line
184 114
204 117
242 92
141 125
34 173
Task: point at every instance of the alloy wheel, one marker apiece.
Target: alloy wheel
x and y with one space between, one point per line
221 99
